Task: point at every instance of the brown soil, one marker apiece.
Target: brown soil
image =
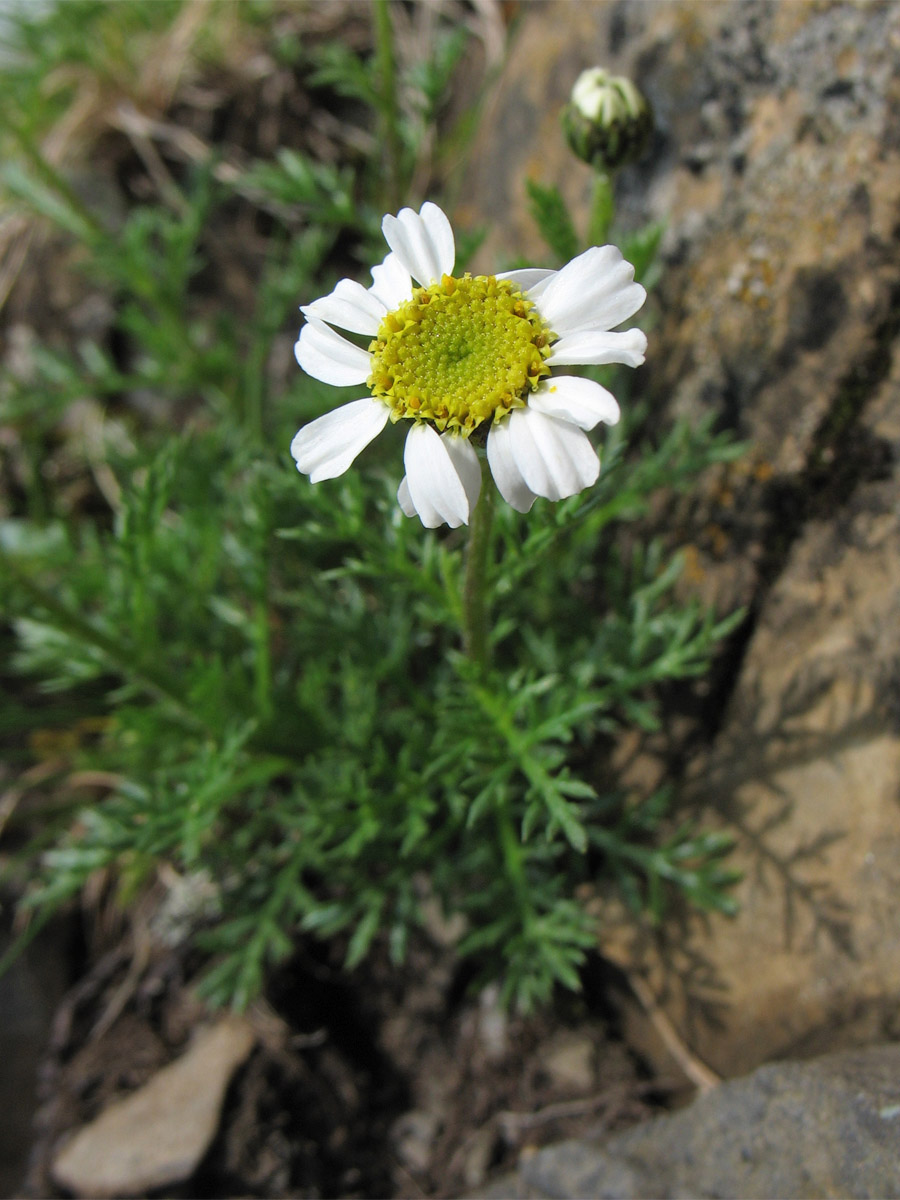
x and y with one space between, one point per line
374 1084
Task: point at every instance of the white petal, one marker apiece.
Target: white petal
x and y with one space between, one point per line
507 476
392 283
435 489
528 278
466 464
556 459
593 349
325 355
580 401
440 233
594 291
349 306
537 289
327 446
404 499
422 241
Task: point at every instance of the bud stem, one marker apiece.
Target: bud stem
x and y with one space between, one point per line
603 208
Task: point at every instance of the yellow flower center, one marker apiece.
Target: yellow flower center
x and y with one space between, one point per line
459 352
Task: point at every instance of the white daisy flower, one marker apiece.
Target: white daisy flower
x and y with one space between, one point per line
459 357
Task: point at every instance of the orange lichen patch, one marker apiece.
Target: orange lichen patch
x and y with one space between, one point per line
718 539
763 471
693 572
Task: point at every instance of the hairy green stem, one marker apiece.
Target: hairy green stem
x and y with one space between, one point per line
603 209
513 856
474 594
475 643
387 89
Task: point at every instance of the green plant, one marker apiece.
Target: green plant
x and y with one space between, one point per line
280 696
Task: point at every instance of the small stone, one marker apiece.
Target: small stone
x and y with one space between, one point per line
478 1150
158 1135
569 1063
412 1136
493 1025
789 1129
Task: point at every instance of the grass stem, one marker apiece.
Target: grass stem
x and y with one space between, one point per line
387 95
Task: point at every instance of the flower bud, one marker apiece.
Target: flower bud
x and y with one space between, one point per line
607 121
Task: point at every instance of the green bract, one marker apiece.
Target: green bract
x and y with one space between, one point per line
607 122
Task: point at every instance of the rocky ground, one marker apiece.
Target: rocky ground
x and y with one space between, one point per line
378 1084
776 168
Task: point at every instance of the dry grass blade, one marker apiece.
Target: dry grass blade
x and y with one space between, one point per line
16 235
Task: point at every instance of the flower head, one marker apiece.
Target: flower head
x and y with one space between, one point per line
461 357
607 121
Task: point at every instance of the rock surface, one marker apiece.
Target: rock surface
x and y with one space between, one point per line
157 1135
777 169
829 1128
